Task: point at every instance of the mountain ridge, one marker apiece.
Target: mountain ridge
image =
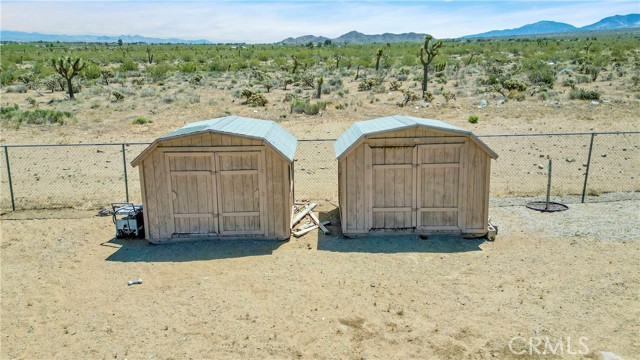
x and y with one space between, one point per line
9 35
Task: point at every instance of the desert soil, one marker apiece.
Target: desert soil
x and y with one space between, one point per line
558 276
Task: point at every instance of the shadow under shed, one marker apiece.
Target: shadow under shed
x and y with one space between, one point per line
134 250
391 244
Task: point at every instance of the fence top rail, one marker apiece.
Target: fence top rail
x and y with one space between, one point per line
74 145
329 139
563 134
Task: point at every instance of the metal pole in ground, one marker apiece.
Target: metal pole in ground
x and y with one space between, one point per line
6 157
124 164
586 174
546 207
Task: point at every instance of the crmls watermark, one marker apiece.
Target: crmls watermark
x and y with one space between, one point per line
548 346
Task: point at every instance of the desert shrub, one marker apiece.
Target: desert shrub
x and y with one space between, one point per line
336 81
473 119
539 73
569 83
117 96
7 76
141 120
168 99
17 89
428 96
127 65
300 106
188 67
159 71
582 94
394 85
290 97
253 98
192 98
448 95
297 106
368 84
91 71
311 108
36 117
402 77
407 97
513 84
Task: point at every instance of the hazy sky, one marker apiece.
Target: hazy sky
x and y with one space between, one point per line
271 21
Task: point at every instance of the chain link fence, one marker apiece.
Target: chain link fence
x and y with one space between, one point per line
587 167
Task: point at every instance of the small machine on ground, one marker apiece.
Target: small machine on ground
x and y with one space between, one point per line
128 219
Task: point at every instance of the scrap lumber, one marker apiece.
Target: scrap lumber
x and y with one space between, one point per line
303 213
320 225
304 231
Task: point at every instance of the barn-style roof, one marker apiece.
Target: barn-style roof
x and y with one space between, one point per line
272 133
361 129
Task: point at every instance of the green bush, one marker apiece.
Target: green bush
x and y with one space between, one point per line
159 71
513 84
300 106
188 67
540 73
473 119
37 117
582 94
128 65
7 76
141 120
91 71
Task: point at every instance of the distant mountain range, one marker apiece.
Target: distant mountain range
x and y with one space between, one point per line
631 21
354 37
6 35
617 22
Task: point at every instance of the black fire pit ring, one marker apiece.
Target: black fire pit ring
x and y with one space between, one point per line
546 206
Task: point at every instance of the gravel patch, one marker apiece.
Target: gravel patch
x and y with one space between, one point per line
606 221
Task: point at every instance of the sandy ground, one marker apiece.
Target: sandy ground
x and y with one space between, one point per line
558 276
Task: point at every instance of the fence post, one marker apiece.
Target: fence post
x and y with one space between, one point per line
586 174
124 165
6 157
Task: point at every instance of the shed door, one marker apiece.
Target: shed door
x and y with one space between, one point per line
439 187
392 181
193 187
239 192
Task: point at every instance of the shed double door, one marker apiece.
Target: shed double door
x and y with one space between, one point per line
416 187
216 193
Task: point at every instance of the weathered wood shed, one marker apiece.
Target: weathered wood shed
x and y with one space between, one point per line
407 174
224 177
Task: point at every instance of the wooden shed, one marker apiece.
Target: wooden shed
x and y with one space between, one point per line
224 177
407 174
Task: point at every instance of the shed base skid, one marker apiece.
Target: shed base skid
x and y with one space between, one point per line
192 238
386 232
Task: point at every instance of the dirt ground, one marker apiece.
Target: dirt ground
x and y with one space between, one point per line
561 277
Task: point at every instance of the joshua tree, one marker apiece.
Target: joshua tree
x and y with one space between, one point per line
432 51
337 59
68 68
149 55
319 83
378 56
